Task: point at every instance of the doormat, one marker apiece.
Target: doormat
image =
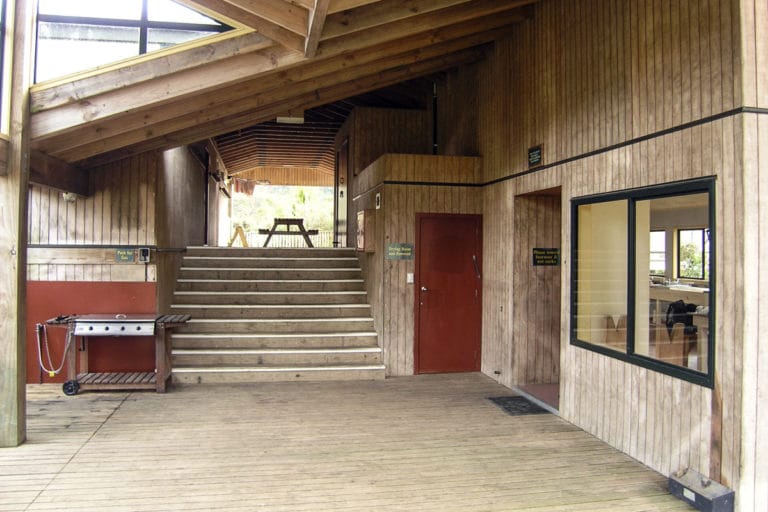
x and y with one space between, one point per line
517 405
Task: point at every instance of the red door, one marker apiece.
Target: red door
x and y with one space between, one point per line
448 293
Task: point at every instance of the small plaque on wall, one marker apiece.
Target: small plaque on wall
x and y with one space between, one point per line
546 257
534 156
399 252
125 255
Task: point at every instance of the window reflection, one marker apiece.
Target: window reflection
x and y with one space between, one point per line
641 269
672 320
601 262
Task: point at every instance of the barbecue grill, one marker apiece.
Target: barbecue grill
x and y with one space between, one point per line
117 325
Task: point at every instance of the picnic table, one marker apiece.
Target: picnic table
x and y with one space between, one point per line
287 222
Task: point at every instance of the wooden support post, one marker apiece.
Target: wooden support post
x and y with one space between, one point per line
13 220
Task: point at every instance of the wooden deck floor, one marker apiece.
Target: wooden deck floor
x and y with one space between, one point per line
416 443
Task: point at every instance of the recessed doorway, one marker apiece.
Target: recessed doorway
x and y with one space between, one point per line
537 312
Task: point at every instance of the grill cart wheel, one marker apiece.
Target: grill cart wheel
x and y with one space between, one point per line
71 387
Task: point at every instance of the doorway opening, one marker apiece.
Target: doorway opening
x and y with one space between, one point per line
537 312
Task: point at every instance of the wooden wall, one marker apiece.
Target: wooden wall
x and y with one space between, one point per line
424 183
153 200
622 95
120 212
753 490
373 132
290 176
535 357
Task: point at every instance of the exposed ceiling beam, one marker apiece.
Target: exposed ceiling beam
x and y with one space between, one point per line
346 5
429 28
132 129
315 29
385 12
45 97
308 100
389 27
183 85
51 172
59 132
277 33
280 12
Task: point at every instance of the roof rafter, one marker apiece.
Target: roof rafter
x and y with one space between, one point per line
310 99
316 26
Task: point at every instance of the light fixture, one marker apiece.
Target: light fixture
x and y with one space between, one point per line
291 117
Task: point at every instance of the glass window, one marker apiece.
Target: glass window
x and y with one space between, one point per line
124 9
658 263
601 269
166 10
619 241
76 35
692 250
59 44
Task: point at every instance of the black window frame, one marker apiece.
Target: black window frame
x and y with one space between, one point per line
632 196
144 24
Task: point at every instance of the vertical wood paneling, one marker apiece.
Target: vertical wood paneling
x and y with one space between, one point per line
393 302
607 72
117 213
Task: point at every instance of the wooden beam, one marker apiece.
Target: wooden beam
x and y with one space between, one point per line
316 24
253 20
103 135
287 15
308 100
149 95
102 139
385 12
55 173
51 95
183 85
385 26
13 233
346 5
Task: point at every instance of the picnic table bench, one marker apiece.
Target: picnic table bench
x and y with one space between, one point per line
299 223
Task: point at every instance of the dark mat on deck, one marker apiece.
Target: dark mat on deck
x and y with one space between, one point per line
517 405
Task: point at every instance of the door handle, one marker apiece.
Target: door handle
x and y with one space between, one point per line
477 267
424 289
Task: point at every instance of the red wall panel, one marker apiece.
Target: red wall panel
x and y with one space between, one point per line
47 299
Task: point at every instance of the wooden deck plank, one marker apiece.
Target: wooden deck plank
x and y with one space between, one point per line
416 443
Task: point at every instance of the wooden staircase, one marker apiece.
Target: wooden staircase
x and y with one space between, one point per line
273 315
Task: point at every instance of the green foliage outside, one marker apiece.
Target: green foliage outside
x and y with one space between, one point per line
313 204
691 262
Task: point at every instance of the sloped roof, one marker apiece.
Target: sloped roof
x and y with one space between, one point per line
287 56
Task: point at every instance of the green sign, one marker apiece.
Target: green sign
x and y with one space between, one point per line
399 252
125 255
546 257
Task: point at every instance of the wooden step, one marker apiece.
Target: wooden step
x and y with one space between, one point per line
273 340
285 274
247 297
275 311
263 262
273 252
318 325
194 375
267 314
270 285
275 357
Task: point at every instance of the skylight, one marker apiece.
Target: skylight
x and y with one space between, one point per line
77 35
